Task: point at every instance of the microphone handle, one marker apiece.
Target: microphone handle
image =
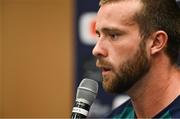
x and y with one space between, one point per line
80 110
77 116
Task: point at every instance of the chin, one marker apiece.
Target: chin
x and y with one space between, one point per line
106 83
112 85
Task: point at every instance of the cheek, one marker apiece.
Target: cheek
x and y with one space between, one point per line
118 57
124 50
121 51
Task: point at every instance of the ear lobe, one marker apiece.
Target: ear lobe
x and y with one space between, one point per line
159 41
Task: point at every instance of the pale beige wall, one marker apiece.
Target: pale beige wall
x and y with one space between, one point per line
37 58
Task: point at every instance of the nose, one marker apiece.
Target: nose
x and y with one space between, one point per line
99 49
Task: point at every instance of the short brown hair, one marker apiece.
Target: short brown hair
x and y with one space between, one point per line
159 15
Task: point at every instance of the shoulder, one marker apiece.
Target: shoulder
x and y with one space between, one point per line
174 108
171 111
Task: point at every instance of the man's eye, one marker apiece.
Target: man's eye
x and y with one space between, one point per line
98 35
113 36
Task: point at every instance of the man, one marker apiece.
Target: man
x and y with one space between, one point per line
137 47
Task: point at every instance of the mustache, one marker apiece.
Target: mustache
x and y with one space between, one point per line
103 63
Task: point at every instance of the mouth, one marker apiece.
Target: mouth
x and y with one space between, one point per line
105 70
104 66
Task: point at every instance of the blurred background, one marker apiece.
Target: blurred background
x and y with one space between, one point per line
36 58
45 51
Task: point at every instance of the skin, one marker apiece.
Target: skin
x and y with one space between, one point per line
118 42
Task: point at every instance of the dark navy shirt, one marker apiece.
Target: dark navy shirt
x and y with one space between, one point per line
126 111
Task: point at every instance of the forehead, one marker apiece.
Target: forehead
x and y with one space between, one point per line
118 12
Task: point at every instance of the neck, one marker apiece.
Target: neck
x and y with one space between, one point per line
156 90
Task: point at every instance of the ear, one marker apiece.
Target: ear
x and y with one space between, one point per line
159 41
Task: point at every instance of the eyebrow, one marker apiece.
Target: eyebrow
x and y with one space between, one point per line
109 29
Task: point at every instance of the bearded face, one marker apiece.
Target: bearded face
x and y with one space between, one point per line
128 72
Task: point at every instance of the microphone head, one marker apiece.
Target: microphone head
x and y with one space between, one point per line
87 90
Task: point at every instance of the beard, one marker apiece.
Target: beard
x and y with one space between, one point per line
129 72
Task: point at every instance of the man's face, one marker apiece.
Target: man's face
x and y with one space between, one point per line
120 50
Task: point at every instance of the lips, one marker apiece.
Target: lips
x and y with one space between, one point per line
105 71
104 66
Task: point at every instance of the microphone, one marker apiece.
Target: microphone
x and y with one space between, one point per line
86 93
